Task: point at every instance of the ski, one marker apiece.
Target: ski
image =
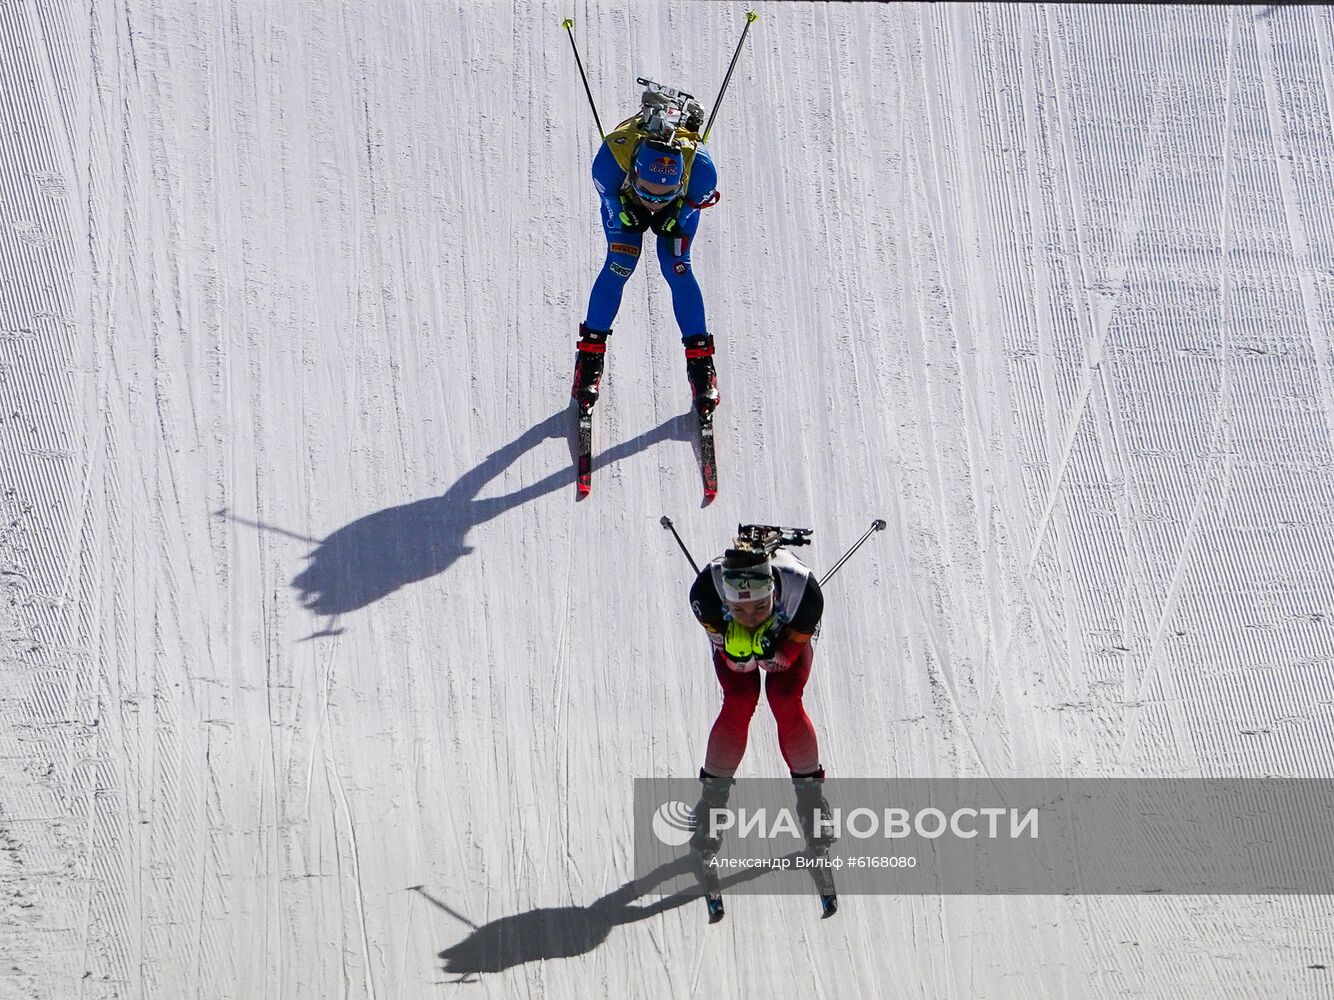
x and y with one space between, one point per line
828 905
823 875
584 457
584 454
713 888
714 901
708 462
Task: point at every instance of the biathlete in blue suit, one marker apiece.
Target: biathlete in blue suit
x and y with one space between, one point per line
650 184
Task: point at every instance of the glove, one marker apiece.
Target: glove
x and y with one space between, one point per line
741 666
782 653
737 645
668 220
634 217
764 639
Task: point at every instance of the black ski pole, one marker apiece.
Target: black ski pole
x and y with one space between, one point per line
751 18
666 522
568 25
876 525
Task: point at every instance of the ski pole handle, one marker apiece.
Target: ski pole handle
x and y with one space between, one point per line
751 18
568 25
877 525
666 522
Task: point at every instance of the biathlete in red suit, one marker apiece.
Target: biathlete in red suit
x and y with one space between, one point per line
762 615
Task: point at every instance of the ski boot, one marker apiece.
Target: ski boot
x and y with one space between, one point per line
700 371
588 361
705 840
810 800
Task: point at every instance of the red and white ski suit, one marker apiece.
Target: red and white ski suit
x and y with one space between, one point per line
798 605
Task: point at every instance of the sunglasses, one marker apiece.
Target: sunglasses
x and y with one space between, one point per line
656 199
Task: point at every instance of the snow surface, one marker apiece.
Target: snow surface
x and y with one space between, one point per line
318 683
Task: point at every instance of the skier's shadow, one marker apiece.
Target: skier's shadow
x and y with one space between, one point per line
377 554
567 931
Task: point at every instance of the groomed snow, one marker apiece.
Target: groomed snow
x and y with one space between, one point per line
318 683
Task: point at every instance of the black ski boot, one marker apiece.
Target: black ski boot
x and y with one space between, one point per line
588 360
700 371
810 800
713 795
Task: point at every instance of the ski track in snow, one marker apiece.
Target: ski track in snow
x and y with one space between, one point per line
318 683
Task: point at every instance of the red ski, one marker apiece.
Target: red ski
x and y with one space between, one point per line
708 462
